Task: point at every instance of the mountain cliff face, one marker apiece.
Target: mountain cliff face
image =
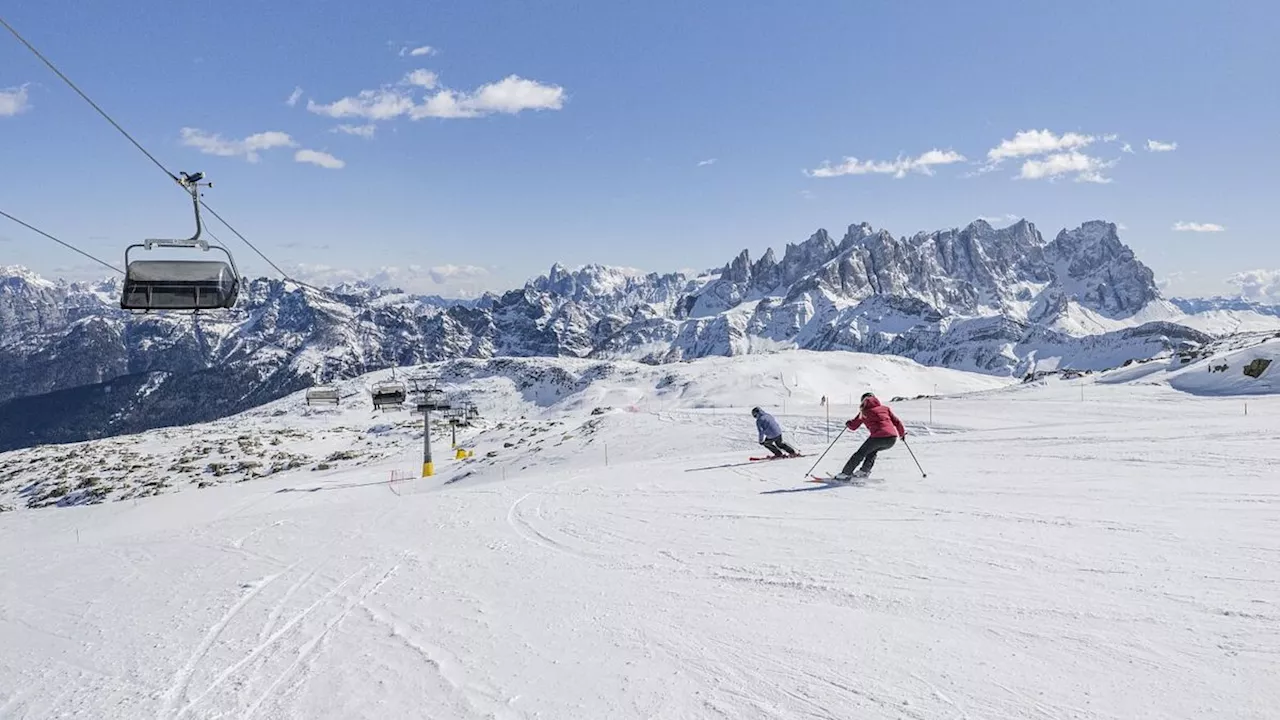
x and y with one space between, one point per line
1002 301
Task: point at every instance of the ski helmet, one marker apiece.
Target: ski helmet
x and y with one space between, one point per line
755 412
866 395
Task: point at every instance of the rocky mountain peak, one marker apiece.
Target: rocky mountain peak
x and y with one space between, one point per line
977 297
1101 271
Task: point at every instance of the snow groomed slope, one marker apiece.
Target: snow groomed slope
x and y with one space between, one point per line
1111 556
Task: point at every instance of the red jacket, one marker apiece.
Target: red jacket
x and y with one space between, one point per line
880 420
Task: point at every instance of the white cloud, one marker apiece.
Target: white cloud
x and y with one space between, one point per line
708 161
445 274
513 94
1181 226
1169 280
294 97
450 280
444 104
993 219
316 157
1110 137
1026 143
1127 148
1157 146
1086 168
422 78
365 131
898 168
14 101
214 144
420 51
1258 285
510 95
381 104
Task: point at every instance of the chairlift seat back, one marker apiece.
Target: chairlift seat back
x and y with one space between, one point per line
323 394
388 394
179 285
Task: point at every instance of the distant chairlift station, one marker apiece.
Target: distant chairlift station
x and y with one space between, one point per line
181 285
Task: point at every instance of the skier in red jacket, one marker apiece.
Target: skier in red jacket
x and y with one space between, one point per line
885 429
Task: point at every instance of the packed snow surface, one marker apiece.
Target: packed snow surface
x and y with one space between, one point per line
1241 365
1078 550
518 399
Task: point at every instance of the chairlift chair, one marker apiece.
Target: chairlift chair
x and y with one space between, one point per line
423 381
181 285
323 394
388 393
435 398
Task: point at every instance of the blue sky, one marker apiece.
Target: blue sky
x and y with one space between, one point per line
657 135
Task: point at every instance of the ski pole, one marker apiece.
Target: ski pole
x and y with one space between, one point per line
824 452
913 457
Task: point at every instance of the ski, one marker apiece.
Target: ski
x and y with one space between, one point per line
833 481
775 457
859 481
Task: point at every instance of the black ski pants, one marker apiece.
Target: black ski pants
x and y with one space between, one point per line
867 454
778 447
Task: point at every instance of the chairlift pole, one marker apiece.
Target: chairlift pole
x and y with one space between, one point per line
428 468
430 398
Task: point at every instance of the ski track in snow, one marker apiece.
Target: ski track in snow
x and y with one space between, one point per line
308 647
266 645
179 684
1105 559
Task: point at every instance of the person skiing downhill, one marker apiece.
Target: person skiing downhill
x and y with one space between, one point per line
771 434
884 427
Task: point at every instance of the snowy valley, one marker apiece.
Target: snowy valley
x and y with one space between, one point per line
1098 545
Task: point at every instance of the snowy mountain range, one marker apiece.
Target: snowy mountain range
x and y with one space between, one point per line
1002 301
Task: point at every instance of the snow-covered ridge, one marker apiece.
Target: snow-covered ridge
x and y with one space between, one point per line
1002 301
1192 306
518 398
1242 365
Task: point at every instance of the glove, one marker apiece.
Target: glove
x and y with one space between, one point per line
851 424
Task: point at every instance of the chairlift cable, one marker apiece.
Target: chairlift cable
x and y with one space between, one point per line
144 151
246 241
69 246
101 112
